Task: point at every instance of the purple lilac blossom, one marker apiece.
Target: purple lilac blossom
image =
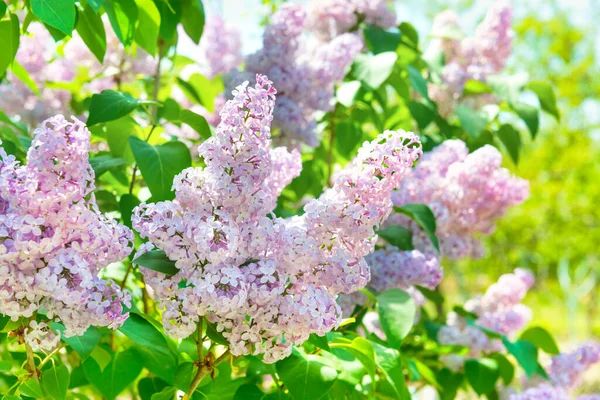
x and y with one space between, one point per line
267 283
54 240
220 47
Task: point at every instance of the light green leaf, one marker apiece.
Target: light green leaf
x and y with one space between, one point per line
9 32
55 382
123 17
122 370
363 350
84 344
157 260
196 122
526 354
346 93
482 374
530 115
166 394
373 70
305 376
473 122
418 82
91 30
389 362
397 311
21 73
424 217
110 105
505 368
546 95
160 164
148 27
31 388
59 14
96 4
541 338
101 164
473 87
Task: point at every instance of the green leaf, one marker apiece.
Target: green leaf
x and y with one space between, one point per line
379 40
450 383
546 96
117 136
159 364
31 388
390 363
206 90
55 382
418 82
193 19
21 73
482 374
3 8
363 350
541 338
530 115
167 393
110 105
84 344
157 260
96 4
149 386
91 30
103 163
170 15
373 70
305 376
249 392
160 164
148 27
505 367
197 122
397 236
526 354
142 332
123 17
101 357
423 113
122 370
59 14
473 122
126 205
424 217
214 335
512 141
508 87
473 87
9 32
409 32
350 138
319 341
183 375
346 93
396 310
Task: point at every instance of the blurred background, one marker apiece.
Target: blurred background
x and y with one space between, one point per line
556 233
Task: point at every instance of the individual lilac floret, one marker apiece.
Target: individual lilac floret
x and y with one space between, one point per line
54 240
266 282
499 309
330 18
304 71
220 46
466 192
470 58
567 369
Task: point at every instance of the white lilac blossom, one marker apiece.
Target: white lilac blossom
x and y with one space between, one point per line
304 71
36 56
54 240
267 283
330 18
470 58
466 192
499 309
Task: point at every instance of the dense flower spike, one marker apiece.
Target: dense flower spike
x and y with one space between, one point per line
220 46
499 310
331 18
54 240
17 99
544 391
567 369
468 58
266 282
304 71
466 192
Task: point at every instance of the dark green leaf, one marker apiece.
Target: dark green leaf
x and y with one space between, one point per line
3 8
417 81
424 217
123 17
423 113
546 95
91 30
379 40
159 364
193 19
530 115
512 141
109 106
214 335
320 341
120 372
505 367
431 295
170 15
450 383
55 382
96 4
305 376
196 122
397 236
59 14
249 392
373 70
396 310
473 122
183 375
148 27
350 136
157 260
84 344
142 332
149 386
126 205
160 164
541 338
526 354
167 393
103 163
409 32
9 32
482 374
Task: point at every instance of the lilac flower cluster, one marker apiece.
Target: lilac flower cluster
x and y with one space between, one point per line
35 56
499 310
220 46
118 67
470 58
466 192
54 240
304 71
331 18
266 282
